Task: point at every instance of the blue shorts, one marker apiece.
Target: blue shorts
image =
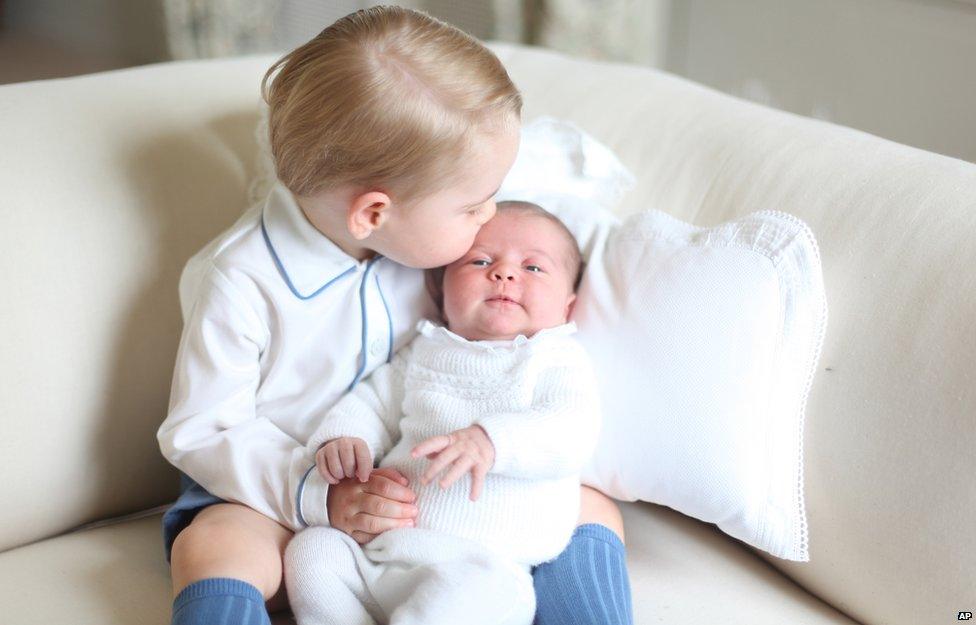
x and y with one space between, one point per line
193 498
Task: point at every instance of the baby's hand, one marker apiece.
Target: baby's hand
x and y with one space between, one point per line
465 450
344 457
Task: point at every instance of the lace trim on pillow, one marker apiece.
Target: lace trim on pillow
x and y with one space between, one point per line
805 241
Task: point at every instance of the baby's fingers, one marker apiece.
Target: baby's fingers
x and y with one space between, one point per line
347 454
459 468
327 460
323 468
430 446
364 461
441 462
477 480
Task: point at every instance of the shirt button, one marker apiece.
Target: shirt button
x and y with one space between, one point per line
377 347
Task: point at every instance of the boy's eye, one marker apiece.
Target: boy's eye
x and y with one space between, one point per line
481 262
535 268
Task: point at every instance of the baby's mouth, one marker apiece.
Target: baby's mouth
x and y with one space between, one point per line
503 300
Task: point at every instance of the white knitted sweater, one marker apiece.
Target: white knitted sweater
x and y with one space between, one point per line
536 398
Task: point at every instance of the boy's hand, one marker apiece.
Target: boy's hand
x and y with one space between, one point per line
365 511
344 457
465 450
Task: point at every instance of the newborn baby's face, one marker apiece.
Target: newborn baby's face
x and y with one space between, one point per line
514 280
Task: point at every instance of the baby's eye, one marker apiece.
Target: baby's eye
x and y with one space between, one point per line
481 262
535 268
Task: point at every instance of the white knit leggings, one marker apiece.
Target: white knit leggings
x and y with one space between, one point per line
403 577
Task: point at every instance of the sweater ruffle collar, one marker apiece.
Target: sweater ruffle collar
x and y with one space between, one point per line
440 333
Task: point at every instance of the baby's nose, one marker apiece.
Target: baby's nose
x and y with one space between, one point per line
503 273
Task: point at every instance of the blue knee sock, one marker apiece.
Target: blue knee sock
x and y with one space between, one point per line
220 601
587 584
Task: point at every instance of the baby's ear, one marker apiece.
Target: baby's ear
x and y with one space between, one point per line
570 305
366 213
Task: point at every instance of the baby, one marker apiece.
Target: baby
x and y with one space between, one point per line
500 407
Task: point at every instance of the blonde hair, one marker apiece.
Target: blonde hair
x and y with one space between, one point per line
386 97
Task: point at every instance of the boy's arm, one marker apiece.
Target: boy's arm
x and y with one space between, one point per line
557 434
370 411
212 432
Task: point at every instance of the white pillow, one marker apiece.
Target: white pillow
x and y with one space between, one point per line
705 341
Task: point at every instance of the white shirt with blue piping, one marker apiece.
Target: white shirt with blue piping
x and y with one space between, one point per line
278 324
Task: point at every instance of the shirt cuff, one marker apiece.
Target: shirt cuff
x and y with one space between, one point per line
313 492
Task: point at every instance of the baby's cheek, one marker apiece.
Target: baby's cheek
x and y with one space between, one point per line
551 311
451 306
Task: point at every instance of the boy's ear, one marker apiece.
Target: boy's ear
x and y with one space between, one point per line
367 212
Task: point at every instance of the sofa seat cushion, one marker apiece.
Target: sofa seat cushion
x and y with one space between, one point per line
112 574
686 572
682 571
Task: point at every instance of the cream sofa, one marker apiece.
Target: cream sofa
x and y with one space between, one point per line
112 181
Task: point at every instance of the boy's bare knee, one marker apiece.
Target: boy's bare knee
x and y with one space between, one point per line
227 540
595 507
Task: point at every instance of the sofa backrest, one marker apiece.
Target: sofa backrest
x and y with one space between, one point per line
111 181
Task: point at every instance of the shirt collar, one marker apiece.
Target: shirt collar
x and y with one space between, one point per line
308 260
441 333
